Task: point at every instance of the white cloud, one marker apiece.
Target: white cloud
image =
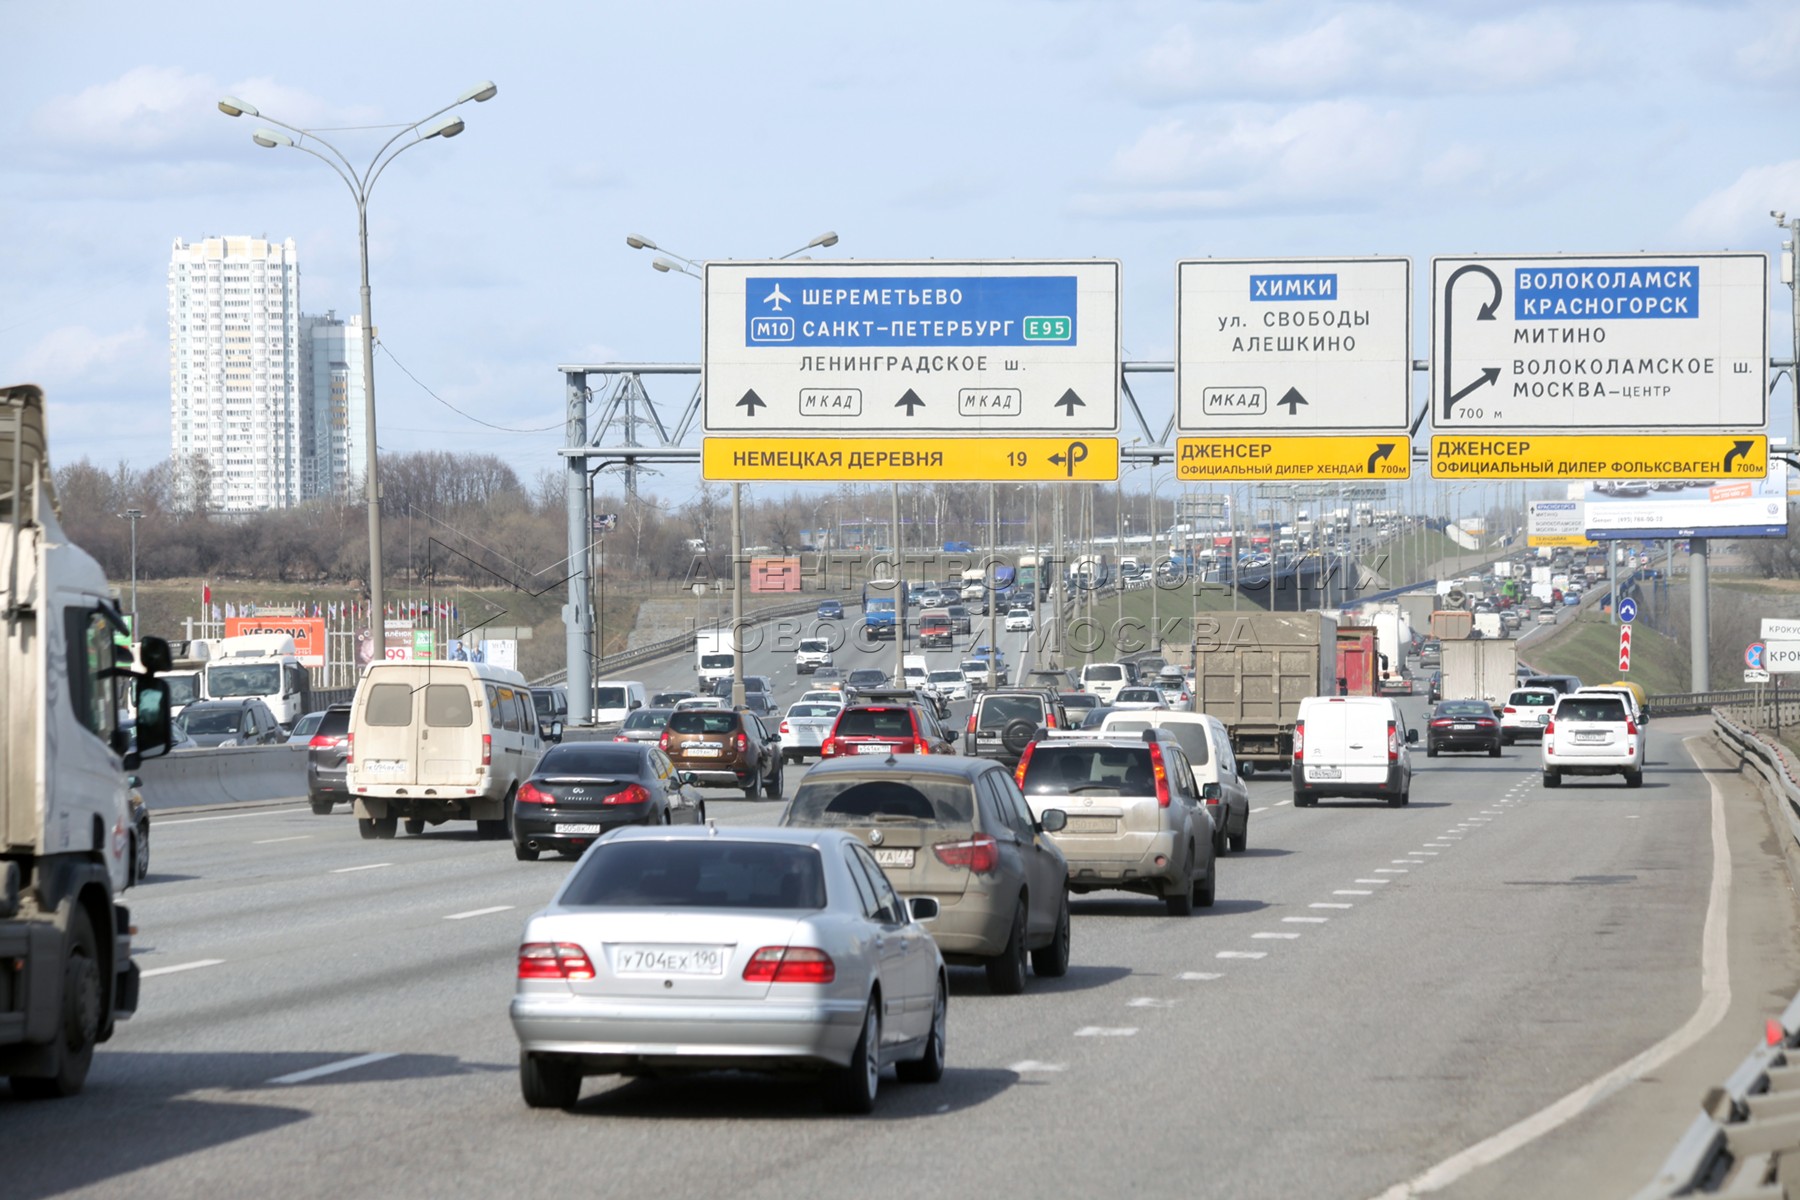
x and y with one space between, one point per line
1324 154
1738 214
151 109
1361 48
78 354
1772 54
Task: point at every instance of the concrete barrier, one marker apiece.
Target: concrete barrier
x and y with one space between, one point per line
222 777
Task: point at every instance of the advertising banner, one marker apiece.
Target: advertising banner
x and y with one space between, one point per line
399 641
308 633
1557 523
1641 508
774 574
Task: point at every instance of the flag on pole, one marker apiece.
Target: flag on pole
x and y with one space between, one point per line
205 596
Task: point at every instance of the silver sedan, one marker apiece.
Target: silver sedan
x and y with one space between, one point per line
705 949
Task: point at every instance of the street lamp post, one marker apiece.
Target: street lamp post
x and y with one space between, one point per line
362 185
134 515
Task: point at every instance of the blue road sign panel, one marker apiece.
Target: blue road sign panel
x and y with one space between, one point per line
1753 656
1628 610
957 310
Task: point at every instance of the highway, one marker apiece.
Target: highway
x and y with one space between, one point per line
1377 991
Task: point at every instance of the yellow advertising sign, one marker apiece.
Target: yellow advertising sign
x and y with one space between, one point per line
911 459
1362 457
1557 539
1702 456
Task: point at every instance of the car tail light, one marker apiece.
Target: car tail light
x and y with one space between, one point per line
487 749
1630 727
619 737
920 746
350 751
784 727
743 742
1024 762
1485 722
1393 742
828 748
971 722
790 964
321 741
1509 709
1050 719
633 793
980 853
662 743
1299 741
1161 775
1441 722
531 794
554 960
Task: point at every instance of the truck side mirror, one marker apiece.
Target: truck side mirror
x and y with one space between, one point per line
153 652
153 732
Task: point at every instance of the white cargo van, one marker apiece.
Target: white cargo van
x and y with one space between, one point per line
616 699
438 741
1352 746
1104 680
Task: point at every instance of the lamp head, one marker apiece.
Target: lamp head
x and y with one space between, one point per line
664 265
449 127
824 239
268 138
638 241
481 93
231 106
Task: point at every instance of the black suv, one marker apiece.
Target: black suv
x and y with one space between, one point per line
325 755
1006 720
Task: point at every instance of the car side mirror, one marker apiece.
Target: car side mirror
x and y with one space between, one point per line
1412 737
923 908
686 778
637 704
1054 820
556 731
1211 791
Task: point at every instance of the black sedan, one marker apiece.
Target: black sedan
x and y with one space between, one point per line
582 790
1462 725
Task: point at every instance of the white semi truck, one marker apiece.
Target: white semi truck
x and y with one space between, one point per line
66 681
263 666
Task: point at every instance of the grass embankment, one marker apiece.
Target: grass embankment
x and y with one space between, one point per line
1589 647
1137 627
1418 552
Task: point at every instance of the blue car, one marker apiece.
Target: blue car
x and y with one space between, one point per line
832 610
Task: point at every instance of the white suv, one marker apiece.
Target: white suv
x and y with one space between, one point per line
1525 714
811 654
1593 735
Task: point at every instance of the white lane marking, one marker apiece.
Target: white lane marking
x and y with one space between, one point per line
348 1064
1242 954
1104 1031
1420 853
364 867
298 837
1632 816
1715 1000
1322 904
272 812
1264 808
1149 1002
1388 871
1285 937
1439 845
1411 862
1031 1064
1372 881
188 966
478 912
1198 976
1306 920
1352 892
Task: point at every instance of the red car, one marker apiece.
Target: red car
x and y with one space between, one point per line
885 729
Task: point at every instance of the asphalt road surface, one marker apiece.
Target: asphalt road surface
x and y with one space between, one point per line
1376 991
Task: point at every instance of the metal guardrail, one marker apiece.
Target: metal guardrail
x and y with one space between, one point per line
1734 1147
1677 703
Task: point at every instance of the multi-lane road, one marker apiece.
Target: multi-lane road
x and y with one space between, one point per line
1378 994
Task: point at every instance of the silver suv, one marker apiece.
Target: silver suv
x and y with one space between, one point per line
1136 820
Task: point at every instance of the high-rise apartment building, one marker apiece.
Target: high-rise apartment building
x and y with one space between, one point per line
333 406
234 356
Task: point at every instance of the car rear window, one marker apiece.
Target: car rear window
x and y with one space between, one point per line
609 697
1464 708
447 706
1067 770
845 799
997 712
592 758
681 874
334 722
814 710
1079 700
1103 673
1189 735
214 720
387 704
647 718
700 720
875 722
1591 708
1533 699
870 678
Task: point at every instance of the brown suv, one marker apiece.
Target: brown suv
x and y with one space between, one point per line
723 747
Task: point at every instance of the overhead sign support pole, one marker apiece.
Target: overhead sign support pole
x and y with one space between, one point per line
575 500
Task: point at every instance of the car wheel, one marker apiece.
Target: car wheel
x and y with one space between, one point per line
140 853
1006 971
366 827
72 1045
1220 839
1494 751
775 786
546 1083
415 826
1052 961
1246 769
387 827
853 1089
1240 840
1180 901
755 787
929 1066
1552 779
1431 750
322 807
1207 890
1634 779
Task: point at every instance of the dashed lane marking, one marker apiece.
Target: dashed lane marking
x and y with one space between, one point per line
478 912
1242 954
1389 871
363 867
348 1064
1264 808
1149 1002
1285 937
1373 881
187 966
298 837
1323 904
1032 1065
1306 920
267 812
1198 976
1352 892
1105 1031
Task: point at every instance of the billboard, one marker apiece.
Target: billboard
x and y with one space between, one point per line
308 634
1641 508
774 574
1556 523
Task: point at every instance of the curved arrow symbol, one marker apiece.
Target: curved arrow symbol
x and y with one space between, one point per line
1382 450
1737 451
1491 374
1077 454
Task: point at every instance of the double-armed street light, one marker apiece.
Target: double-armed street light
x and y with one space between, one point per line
362 184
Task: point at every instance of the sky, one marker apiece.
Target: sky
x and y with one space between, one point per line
1144 132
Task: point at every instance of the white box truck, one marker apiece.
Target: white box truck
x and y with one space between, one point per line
715 657
1481 668
263 666
66 972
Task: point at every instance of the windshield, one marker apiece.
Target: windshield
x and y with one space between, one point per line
698 874
262 680
716 662
183 689
944 677
648 718
589 758
845 799
609 697
814 646
213 720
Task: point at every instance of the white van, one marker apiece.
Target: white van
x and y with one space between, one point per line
616 699
439 741
1208 749
1352 746
914 671
1104 680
